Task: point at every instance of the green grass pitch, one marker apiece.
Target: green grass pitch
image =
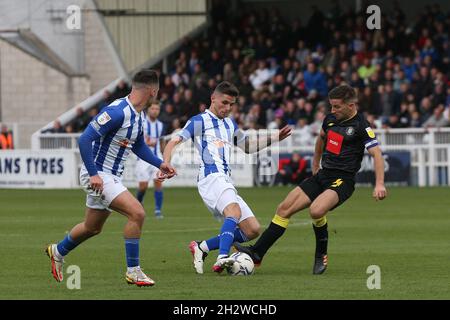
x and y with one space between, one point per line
407 236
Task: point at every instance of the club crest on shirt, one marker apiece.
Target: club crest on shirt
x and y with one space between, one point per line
103 118
370 132
350 131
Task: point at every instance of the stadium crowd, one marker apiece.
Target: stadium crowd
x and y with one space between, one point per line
284 69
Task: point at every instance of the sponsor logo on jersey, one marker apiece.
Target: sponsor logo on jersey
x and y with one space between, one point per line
334 142
219 143
103 118
124 143
370 132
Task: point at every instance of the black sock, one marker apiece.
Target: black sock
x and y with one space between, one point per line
321 239
140 195
268 238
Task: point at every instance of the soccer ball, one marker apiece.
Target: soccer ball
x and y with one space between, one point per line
243 265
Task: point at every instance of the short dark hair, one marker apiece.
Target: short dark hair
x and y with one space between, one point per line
146 77
344 92
228 88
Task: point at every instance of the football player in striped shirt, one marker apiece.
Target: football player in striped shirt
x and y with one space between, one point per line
104 147
145 172
213 133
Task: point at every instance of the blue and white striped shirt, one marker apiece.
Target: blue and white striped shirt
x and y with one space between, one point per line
119 125
213 138
154 130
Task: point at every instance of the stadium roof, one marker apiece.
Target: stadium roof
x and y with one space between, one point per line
27 41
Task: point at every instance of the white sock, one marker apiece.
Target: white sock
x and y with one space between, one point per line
203 246
222 256
132 269
58 255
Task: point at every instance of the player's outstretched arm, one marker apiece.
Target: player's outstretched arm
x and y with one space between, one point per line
249 145
146 154
170 148
379 192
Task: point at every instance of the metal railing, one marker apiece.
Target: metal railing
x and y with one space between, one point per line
429 149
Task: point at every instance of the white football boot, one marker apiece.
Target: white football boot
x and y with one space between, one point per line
57 263
139 278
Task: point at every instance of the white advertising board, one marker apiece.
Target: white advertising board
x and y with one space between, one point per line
47 169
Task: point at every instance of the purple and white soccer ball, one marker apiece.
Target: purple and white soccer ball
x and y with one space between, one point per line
243 265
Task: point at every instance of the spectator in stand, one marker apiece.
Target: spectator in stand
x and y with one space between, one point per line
291 113
122 90
260 75
277 123
176 125
392 68
437 119
168 87
315 80
167 116
392 122
316 126
292 170
215 65
366 70
57 128
198 76
409 68
416 119
180 77
6 138
68 128
305 135
81 121
404 116
251 119
229 74
302 52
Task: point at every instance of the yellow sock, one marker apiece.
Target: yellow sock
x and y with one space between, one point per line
319 222
282 222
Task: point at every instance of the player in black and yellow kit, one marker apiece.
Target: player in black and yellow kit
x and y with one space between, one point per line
344 135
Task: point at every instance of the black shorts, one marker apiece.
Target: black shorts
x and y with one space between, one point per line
339 181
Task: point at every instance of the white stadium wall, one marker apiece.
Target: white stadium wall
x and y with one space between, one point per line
33 93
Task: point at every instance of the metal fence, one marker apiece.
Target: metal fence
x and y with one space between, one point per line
429 149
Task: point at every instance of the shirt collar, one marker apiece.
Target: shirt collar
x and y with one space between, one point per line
212 114
151 121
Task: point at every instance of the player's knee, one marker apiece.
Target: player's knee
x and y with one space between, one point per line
232 210
254 231
93 231
143 187
138 215
316 211
284 210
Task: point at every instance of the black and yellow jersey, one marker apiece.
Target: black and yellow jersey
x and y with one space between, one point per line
345 142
